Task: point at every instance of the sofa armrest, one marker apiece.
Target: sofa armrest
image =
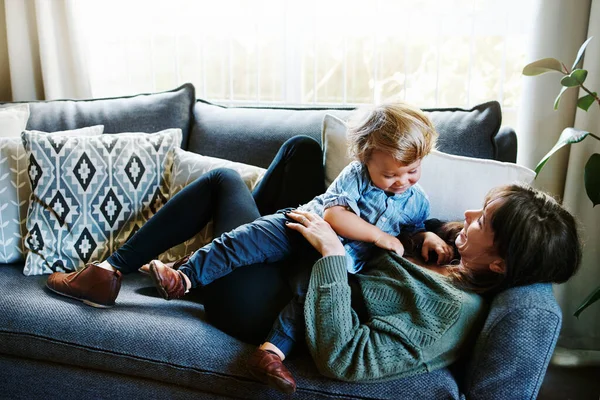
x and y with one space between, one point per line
513 350
505 145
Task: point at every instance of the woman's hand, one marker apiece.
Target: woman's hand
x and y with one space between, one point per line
389 242
318 233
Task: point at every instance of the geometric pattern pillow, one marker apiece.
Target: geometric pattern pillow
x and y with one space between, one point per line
90 194
14 197
187 167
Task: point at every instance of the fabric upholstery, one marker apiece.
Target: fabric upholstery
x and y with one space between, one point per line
514 348
149 113
229 132
91 193
146 337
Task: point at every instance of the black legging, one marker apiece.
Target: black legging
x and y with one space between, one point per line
246 302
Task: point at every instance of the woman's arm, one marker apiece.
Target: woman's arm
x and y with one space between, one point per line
343 347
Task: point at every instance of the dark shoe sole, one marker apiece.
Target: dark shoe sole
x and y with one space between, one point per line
85 301
275 382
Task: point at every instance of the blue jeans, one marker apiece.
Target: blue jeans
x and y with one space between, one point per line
294 177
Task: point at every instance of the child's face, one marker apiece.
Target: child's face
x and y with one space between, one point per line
388 174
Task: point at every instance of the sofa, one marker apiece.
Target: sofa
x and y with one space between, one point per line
145 347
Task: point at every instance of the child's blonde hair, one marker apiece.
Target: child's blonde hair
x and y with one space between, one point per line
399 129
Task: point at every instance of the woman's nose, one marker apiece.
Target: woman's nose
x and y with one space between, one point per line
469 214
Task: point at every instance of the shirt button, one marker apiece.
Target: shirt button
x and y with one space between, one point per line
383 219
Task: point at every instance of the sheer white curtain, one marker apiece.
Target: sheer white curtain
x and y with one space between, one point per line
45 54
559 28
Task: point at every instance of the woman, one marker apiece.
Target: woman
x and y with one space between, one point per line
418 317
520 237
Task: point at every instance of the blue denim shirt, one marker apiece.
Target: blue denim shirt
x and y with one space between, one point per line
392 213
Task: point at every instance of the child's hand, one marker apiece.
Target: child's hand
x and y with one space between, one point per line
389 242
432 242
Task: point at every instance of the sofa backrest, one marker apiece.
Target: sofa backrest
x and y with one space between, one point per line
253 135
140 113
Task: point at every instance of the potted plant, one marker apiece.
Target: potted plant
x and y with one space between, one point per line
574 78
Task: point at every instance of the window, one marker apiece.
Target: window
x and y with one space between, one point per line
328 52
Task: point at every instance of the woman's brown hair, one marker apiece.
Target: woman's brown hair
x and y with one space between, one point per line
536 237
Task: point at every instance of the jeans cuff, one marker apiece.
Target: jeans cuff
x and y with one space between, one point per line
281 340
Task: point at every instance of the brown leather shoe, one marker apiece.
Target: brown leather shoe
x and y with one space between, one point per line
169 282
145 269
95 286
268 368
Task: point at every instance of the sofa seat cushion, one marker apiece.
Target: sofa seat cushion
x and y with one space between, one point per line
229 132
166 341
141 113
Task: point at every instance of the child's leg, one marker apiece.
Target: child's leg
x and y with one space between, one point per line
266 239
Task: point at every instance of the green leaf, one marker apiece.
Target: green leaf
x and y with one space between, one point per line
562 90
580 52
586 101
591 299
591 177
575 78
542 66
568 136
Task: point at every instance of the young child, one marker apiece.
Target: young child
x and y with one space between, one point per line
369 204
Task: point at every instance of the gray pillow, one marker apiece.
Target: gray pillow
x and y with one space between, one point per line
141 113
229 132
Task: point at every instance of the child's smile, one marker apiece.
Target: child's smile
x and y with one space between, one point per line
390 175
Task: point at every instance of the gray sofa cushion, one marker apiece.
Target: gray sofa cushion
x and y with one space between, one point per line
142 113
253 135
146 337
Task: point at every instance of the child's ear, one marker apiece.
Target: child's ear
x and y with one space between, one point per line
498 266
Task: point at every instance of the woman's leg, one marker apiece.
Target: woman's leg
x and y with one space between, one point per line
295 176
247 301
219 194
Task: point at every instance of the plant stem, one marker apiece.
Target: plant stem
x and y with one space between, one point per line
592 94
594 136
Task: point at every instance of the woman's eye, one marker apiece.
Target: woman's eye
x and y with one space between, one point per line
414 171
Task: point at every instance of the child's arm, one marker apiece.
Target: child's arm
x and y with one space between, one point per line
432 242
349 225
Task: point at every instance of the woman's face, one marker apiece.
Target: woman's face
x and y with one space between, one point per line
475 242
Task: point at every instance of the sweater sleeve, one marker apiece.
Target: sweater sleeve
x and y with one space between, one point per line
343 347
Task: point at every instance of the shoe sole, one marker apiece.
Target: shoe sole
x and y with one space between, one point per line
275 382
154 275
84 301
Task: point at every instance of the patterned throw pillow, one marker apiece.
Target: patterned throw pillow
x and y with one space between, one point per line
14 199
90 194
187 167
14 191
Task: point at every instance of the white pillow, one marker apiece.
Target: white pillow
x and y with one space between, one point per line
187 167
453 183
13 119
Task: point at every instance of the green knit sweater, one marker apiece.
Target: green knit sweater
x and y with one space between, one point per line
418 321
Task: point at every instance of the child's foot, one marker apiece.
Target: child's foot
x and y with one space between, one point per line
170 283
267 367
145 269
